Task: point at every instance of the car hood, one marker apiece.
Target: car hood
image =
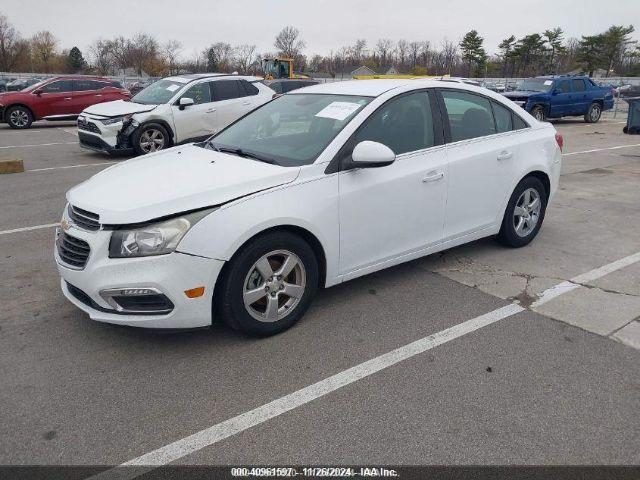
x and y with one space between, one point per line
520 93
117 108
176 180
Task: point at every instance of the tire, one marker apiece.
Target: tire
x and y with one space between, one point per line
19 117
538 113
150 138
594 113
513 233
269 253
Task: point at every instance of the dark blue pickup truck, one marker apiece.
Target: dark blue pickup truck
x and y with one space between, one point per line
562 96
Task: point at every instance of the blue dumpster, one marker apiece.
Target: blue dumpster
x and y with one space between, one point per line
633 117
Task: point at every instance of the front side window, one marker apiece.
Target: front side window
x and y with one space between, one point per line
577 85
158 93
503 118
225 90
57 87
200 93
469 115
291 130
563 87
403 124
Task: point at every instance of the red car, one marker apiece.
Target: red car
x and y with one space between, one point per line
58 98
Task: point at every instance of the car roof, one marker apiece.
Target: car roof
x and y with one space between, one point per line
188 78
376 87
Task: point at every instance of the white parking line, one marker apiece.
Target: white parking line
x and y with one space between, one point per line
27 229
601 149
39 145
70 166
216 433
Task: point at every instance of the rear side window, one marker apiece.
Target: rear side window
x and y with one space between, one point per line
403 124
248 89
86 85
470 116
116 84
502 115
518 123
276 87
225 90
57 87
578 85
199 92
563 86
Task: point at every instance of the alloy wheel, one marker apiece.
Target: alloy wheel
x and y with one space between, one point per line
274 286
526 213
19 118
595 113
151 140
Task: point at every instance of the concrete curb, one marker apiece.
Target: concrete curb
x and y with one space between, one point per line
11 166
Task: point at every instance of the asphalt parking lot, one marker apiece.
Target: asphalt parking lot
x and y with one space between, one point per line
552 378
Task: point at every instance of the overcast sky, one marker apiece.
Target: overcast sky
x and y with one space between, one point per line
325 25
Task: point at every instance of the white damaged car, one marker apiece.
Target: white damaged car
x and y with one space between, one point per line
170 111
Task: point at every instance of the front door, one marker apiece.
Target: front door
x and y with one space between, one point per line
56 98
561 103
396 210
195 121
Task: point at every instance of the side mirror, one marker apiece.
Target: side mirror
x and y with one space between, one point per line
37 92
185 102
368 154
557 91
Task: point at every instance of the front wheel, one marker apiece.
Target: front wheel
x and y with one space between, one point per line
19 117
150 138
525 213
593 114
538 113
269 285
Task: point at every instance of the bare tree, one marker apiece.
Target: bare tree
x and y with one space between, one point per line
9 44
384 47
403 52
245 57
143 50
43 48
288 42
171 51
449 54
101 57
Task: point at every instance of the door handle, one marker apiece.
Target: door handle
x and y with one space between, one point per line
67 98
433 177
505 155
98 94
211 110
246 103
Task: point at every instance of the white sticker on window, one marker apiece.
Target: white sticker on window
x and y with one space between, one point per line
173 88
548 82
338 110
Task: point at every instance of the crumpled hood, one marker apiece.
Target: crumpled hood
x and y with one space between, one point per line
519 94
176 180
117 108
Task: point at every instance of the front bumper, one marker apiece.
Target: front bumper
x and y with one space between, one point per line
170 274
96 136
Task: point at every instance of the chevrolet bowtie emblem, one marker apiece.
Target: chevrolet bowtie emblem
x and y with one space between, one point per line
65 224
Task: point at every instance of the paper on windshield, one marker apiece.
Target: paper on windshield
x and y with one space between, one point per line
338 110
173 88
548 82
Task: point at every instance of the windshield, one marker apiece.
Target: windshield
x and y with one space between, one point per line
291 130
535 85
159 92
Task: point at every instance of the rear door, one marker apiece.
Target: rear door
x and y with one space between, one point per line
85 94
56 98
481 158
198 120
580 97
228 102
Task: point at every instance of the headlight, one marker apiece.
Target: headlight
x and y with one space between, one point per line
111 121
153 239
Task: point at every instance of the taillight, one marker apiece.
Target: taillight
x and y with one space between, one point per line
559 140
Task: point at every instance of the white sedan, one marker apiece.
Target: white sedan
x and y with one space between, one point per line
319 186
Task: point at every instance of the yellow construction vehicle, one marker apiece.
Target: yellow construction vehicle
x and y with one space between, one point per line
279 67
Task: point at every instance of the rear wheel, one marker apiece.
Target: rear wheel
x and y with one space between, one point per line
593 114
269 285
19 117
538 113
524 214
150 138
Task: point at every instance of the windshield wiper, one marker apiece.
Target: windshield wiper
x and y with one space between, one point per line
242 153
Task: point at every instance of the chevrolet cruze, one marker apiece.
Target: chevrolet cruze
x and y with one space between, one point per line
312 189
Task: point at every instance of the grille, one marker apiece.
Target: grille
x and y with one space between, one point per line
84 219
72 250
88 126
